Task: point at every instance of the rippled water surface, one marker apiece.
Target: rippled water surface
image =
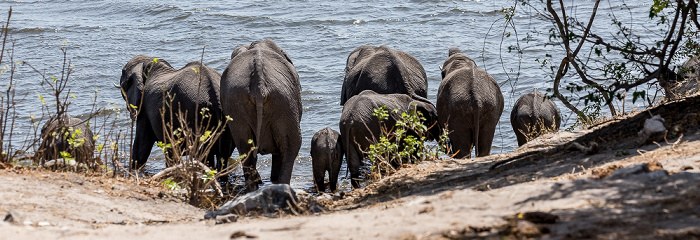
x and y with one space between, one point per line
101 36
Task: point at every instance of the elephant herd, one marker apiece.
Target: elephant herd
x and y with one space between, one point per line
469 105
260 91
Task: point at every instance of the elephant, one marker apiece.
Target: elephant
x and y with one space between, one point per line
359 128
58 133
469 104
261 91
533 114
685 82
326 156
384 71
147 83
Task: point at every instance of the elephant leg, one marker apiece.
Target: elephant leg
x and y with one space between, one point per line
224 151
461 143
333 173
354 160
520 136
143 143
287 165
169 157
318 180
250 171
486 134
276 166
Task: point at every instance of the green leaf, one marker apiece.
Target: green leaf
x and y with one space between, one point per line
205 136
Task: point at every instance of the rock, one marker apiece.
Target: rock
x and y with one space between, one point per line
229 218
658 175
269 198
527 229
628 171
13 217
653 130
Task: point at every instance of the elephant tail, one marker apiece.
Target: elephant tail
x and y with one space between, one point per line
256 91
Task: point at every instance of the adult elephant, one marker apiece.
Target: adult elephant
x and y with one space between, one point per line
148 83
469 104
359 128
384 71
261 92
534 114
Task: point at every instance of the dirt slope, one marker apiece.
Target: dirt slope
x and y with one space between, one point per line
595 188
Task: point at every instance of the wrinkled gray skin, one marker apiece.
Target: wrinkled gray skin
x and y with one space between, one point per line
359 129
146 83
469 104
530 112
384 71
326 156
261 92
52 144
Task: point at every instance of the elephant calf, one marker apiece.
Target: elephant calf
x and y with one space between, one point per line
384 71
469 104
57 135
148 84
533 114
359 128
326 156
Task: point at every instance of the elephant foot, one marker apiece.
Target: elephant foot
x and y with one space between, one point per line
223 180
355 183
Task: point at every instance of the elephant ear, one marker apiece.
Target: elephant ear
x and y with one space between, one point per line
359 54
239 50
131 84
453 50
352 59
279 50
284 53
429 112
153 66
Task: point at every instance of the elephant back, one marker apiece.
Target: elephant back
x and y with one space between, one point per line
531 113
466 85
384 71
67 134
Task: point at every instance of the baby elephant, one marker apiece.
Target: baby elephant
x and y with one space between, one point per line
67 134
326 156
533 115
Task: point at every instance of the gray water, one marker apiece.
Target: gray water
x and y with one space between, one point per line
101 36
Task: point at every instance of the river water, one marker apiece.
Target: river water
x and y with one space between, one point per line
101 36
